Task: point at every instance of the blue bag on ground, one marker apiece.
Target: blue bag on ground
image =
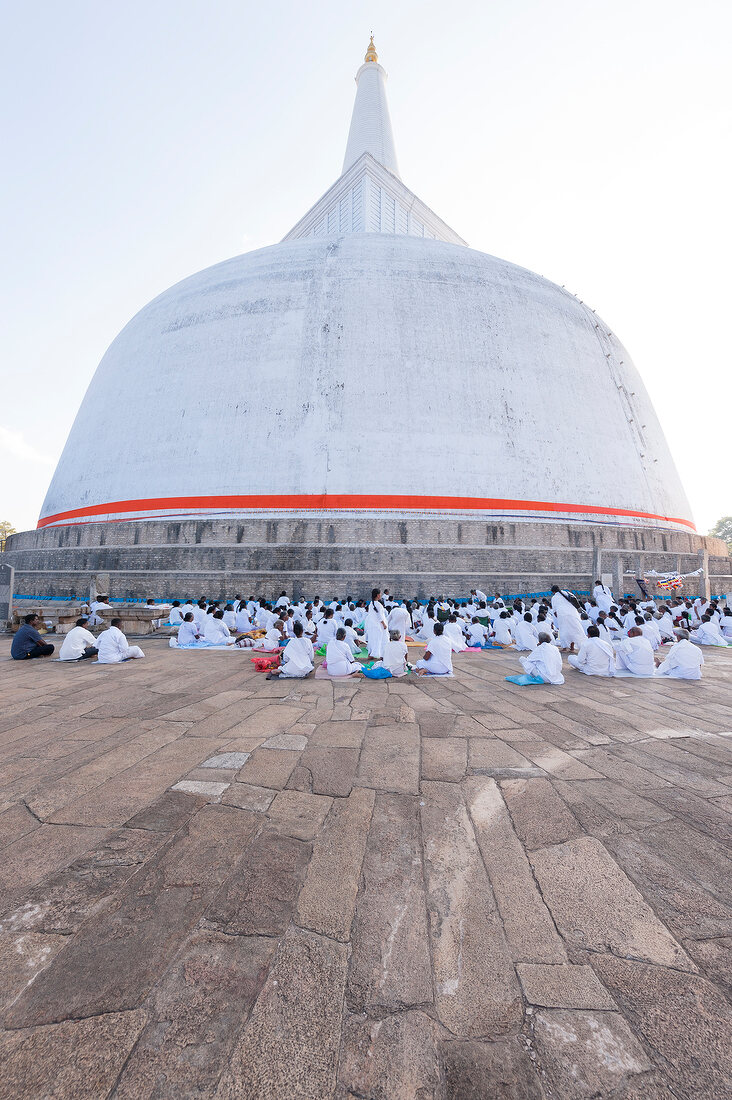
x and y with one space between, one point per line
525 680
377 673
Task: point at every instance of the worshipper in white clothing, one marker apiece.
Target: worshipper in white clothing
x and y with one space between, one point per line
708 633
602 596
596 657
243 622
665 624
282 601
189 632
338 656
377 630
113 647
454 631
399 620
272 640
634 655
395 654
545 662
352 637
175 615
327 628
298 660
79 644
502 633
476 632
683 661
100 604
525 634
215 630
230 616
437 660
726 624
567 614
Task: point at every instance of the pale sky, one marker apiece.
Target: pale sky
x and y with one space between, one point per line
589 142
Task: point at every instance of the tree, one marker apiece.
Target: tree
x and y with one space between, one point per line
723 530
6 528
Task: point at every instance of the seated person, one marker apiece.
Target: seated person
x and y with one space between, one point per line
502 633
634 654
525 634
596 657
189 632
113 647
27 642
477 633
683 661
545 662
215 630
708 633
338 656
437 660
395 654
79 644
298 658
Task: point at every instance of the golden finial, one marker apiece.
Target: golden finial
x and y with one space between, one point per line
371 54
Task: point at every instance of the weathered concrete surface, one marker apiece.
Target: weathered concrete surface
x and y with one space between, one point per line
419 898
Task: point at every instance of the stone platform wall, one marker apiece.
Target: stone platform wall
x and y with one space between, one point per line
347 554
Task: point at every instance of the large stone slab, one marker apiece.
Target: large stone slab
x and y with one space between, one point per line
390 963
112 961
444 758
299 814
596 906
390 759
259 898
194 1015
76 1060
563 986
332 769
393 1056
527 924
16 822
476 992
501 1070
22 957
269 768
683 1018
36 854
587 1054
289 1047
327 901
539 815
346 734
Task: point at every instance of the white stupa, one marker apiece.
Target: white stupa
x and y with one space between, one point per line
371 360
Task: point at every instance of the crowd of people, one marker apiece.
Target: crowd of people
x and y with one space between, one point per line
601 636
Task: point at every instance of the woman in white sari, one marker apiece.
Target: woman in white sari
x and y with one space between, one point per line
377 632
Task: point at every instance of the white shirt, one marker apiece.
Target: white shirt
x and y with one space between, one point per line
188 633
216 631
525 635
709 634
441 650
395 657
637 656
596 658
75 642
545 662
338 658
683 661
298 658
112 646
175 618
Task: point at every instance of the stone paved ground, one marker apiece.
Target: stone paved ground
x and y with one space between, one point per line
454 889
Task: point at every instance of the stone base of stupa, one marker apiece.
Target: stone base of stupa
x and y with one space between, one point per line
324 553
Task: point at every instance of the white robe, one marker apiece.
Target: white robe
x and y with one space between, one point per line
454 632
502 632
326 631
683 661
298 658
568 621
399 620
188 634
439 663
603 597
243 622
526 636
477 634
216 632
545 662
339 659
726 627
395 657
595 658
377 634
75 642
113 647
708 634
635 656
175 618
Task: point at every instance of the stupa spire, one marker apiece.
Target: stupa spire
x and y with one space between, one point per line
370 130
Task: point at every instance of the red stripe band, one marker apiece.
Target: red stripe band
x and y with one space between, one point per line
346 502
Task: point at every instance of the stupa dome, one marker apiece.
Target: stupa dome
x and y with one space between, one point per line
366 371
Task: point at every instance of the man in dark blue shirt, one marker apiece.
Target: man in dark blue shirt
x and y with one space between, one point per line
28 643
